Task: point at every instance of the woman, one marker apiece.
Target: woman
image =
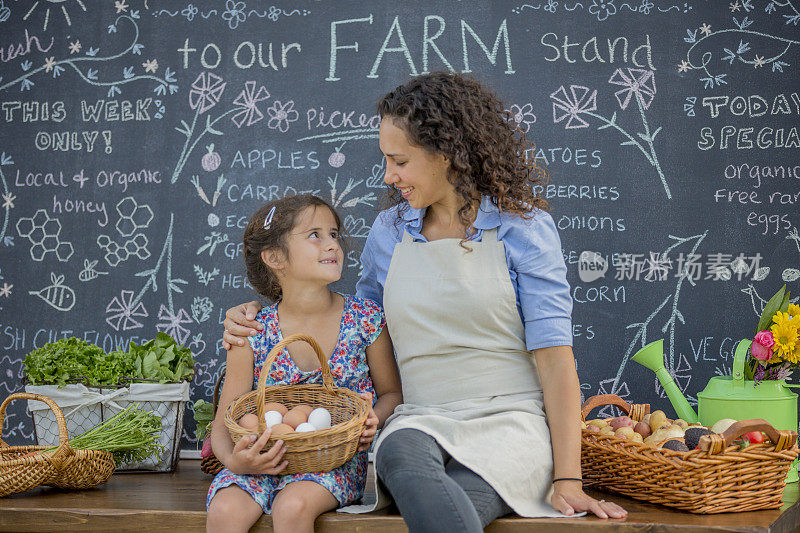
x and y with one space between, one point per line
468 266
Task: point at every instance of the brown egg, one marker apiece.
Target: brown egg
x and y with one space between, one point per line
295 417
281 429
305 408
249 421
275 406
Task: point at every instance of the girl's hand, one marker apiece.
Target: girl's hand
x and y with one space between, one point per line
251 460
568 497
371 425
239 324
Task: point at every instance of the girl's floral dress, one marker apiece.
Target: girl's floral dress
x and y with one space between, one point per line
362 322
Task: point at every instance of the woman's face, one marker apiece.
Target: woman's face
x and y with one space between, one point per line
419 175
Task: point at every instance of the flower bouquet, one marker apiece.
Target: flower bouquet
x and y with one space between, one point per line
775 351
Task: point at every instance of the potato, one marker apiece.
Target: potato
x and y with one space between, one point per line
591 428
606 430
624 431
583 424
657 420
643 429
637 437
646 419
599 422
622 421
681 422
720 426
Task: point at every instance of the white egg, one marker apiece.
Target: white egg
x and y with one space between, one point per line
272 417
305 427
320 418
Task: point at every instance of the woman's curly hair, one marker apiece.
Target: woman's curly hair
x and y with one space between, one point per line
458 117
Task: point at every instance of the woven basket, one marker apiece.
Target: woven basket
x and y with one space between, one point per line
315 451
716 478
211 465
63 467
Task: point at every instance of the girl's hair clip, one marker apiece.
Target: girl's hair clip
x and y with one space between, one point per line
268 219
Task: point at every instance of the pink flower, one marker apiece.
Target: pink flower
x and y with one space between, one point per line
761 347
765 339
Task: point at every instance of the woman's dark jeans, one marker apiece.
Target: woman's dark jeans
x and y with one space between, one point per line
434 492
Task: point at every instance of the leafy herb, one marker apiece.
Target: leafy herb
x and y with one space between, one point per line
131 435
203 416
160 359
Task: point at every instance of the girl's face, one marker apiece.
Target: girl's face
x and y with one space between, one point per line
419 175
315 253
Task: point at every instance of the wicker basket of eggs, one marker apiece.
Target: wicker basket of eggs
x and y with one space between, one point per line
320 425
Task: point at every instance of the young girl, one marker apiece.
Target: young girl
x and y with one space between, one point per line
292 252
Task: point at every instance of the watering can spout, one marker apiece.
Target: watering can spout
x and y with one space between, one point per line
652 357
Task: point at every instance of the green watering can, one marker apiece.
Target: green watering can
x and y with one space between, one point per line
728 396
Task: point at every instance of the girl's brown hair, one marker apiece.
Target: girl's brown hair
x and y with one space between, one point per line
458 117
268 230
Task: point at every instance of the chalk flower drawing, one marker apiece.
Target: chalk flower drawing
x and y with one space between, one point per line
580 100
121 311
603 9
206 91
90 75
234 13
645 7
247 102
151 65
5 290
8 201
551 6
523 116
171 324
638 84
637 81
280 115
189 12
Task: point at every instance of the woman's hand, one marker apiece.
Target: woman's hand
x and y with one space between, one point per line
568 498
239 324
251 460
371 425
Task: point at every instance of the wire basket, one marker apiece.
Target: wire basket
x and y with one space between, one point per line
719 477
22 469
314 451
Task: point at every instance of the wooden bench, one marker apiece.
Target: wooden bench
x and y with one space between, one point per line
176 502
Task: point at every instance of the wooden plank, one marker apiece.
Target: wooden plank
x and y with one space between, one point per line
175 502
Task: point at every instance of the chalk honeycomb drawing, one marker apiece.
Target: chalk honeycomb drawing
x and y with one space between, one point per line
132 218
44 234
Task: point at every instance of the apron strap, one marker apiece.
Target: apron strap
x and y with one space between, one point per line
489 235
407 238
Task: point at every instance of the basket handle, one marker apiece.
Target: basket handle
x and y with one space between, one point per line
327 378
215 396
64 450
635 410
717 443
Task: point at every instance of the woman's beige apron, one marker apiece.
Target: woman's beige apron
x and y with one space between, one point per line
468 379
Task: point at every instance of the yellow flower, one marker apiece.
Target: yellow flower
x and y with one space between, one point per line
785 335
794 357
783 318
793 310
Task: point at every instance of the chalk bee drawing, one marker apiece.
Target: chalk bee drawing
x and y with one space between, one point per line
57 295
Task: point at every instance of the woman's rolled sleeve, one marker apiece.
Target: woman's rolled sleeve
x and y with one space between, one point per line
370 284
544 292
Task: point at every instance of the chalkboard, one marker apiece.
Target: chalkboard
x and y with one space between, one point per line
138 137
